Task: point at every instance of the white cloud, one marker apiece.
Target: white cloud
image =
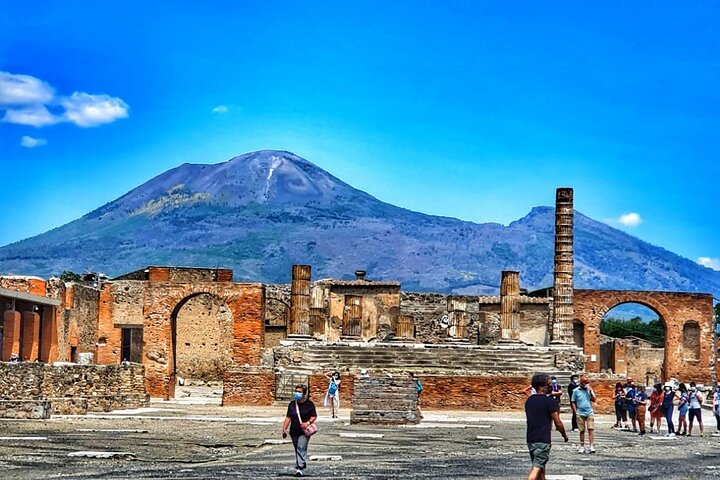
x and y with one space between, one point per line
33 115
713 263
220 109
23 90
25 100
31 142
85 110
630 219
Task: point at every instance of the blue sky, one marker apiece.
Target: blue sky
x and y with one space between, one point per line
476 110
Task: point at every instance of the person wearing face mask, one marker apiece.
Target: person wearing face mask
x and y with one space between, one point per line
666 408
630 404
656 398
716 406
581 402
683 406
695 401
555 392
574 382
300 414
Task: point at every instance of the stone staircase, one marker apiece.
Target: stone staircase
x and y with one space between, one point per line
430 359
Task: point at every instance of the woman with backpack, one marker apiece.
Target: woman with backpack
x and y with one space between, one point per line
332 396
419 388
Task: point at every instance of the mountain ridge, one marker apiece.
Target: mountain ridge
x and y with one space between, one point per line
260 212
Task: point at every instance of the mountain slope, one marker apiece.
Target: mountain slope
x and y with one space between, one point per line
263 211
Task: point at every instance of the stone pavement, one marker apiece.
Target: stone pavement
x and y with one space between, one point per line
178 441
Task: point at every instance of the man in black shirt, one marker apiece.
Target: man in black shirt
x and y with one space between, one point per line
574 382
540 411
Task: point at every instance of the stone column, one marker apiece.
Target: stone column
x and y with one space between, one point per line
300 301
457 318
11 334
562 331
510 306
30 336
405 327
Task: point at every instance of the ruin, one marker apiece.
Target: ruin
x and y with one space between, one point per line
260 340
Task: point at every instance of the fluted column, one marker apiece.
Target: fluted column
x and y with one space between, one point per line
562 331
510 306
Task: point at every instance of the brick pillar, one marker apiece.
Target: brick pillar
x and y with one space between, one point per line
510 306
30 337
11 334
49 340
563 311
457 318
300 301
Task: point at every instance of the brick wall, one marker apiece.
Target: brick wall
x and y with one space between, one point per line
243 386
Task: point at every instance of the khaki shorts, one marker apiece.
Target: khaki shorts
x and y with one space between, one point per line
586 423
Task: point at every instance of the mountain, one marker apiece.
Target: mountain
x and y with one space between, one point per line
261 212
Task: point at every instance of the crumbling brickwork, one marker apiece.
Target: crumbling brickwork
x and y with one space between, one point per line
683 359
244 386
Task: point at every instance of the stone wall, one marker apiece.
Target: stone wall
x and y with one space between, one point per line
127 302
74 388
244 386
380 307
84 314
382 400
33 285
277 305
645 364
204 338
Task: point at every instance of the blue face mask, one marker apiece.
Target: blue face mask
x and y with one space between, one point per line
553 382
297 396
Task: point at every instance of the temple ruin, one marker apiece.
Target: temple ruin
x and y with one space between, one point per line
260 340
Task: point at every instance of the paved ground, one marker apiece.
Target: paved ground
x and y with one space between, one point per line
172 440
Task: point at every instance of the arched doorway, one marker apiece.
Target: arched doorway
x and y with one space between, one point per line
202 333
632 342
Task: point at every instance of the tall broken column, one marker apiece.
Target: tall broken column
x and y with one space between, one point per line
563 311
510 306
300 302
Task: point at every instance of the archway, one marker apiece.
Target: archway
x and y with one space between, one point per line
632 342
202 334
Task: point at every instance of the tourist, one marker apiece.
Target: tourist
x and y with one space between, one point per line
630 404
364 373
332 395
620 413
419 389
555 392
656 399
696 400
530 390
716 406
300 415
540 413
683 405
574 379
14 358
581 403
640 400
666 408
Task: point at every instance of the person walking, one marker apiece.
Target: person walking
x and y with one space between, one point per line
574 380
683 406
300 415
419 389
695 400
332 395
540 414
581 403
666 408
641 400
656 399
716 406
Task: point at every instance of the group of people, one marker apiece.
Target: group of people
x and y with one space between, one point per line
631 402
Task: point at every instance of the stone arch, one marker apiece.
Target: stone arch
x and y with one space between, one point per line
201 326
673 308
162 299
691 340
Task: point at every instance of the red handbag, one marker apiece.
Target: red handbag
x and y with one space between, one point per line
311 429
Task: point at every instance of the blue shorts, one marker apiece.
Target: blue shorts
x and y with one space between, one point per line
683 410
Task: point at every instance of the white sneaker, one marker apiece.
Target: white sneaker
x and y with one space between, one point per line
581 450
591 449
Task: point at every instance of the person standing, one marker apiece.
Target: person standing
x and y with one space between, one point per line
540 414
419 389
716 406
656 399
555 392
683 406
695 400
332 396
619 398
666 408
571 387
581 403
630 404
641 399
300 414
